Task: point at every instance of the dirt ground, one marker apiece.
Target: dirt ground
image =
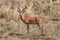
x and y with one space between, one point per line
13 28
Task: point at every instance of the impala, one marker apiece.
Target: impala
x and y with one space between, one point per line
29 20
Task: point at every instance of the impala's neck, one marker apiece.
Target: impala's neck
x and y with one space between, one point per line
22 17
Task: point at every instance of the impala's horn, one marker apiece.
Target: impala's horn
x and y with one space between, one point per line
19 10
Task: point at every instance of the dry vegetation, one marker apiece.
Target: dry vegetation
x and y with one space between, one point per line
12 28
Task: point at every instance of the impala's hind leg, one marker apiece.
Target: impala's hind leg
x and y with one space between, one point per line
37 22
41 29
38 25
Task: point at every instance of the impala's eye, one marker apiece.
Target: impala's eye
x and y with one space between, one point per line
19 11
53 0
23 10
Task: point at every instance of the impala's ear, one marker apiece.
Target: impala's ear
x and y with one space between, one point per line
19 10
24 9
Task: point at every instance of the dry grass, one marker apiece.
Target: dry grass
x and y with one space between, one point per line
12 28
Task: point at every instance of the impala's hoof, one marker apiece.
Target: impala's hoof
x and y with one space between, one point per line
43 34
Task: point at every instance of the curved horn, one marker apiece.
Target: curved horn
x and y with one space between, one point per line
19 10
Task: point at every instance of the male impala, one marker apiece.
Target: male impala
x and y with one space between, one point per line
29 20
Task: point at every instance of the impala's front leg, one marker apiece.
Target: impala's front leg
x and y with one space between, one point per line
28 28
